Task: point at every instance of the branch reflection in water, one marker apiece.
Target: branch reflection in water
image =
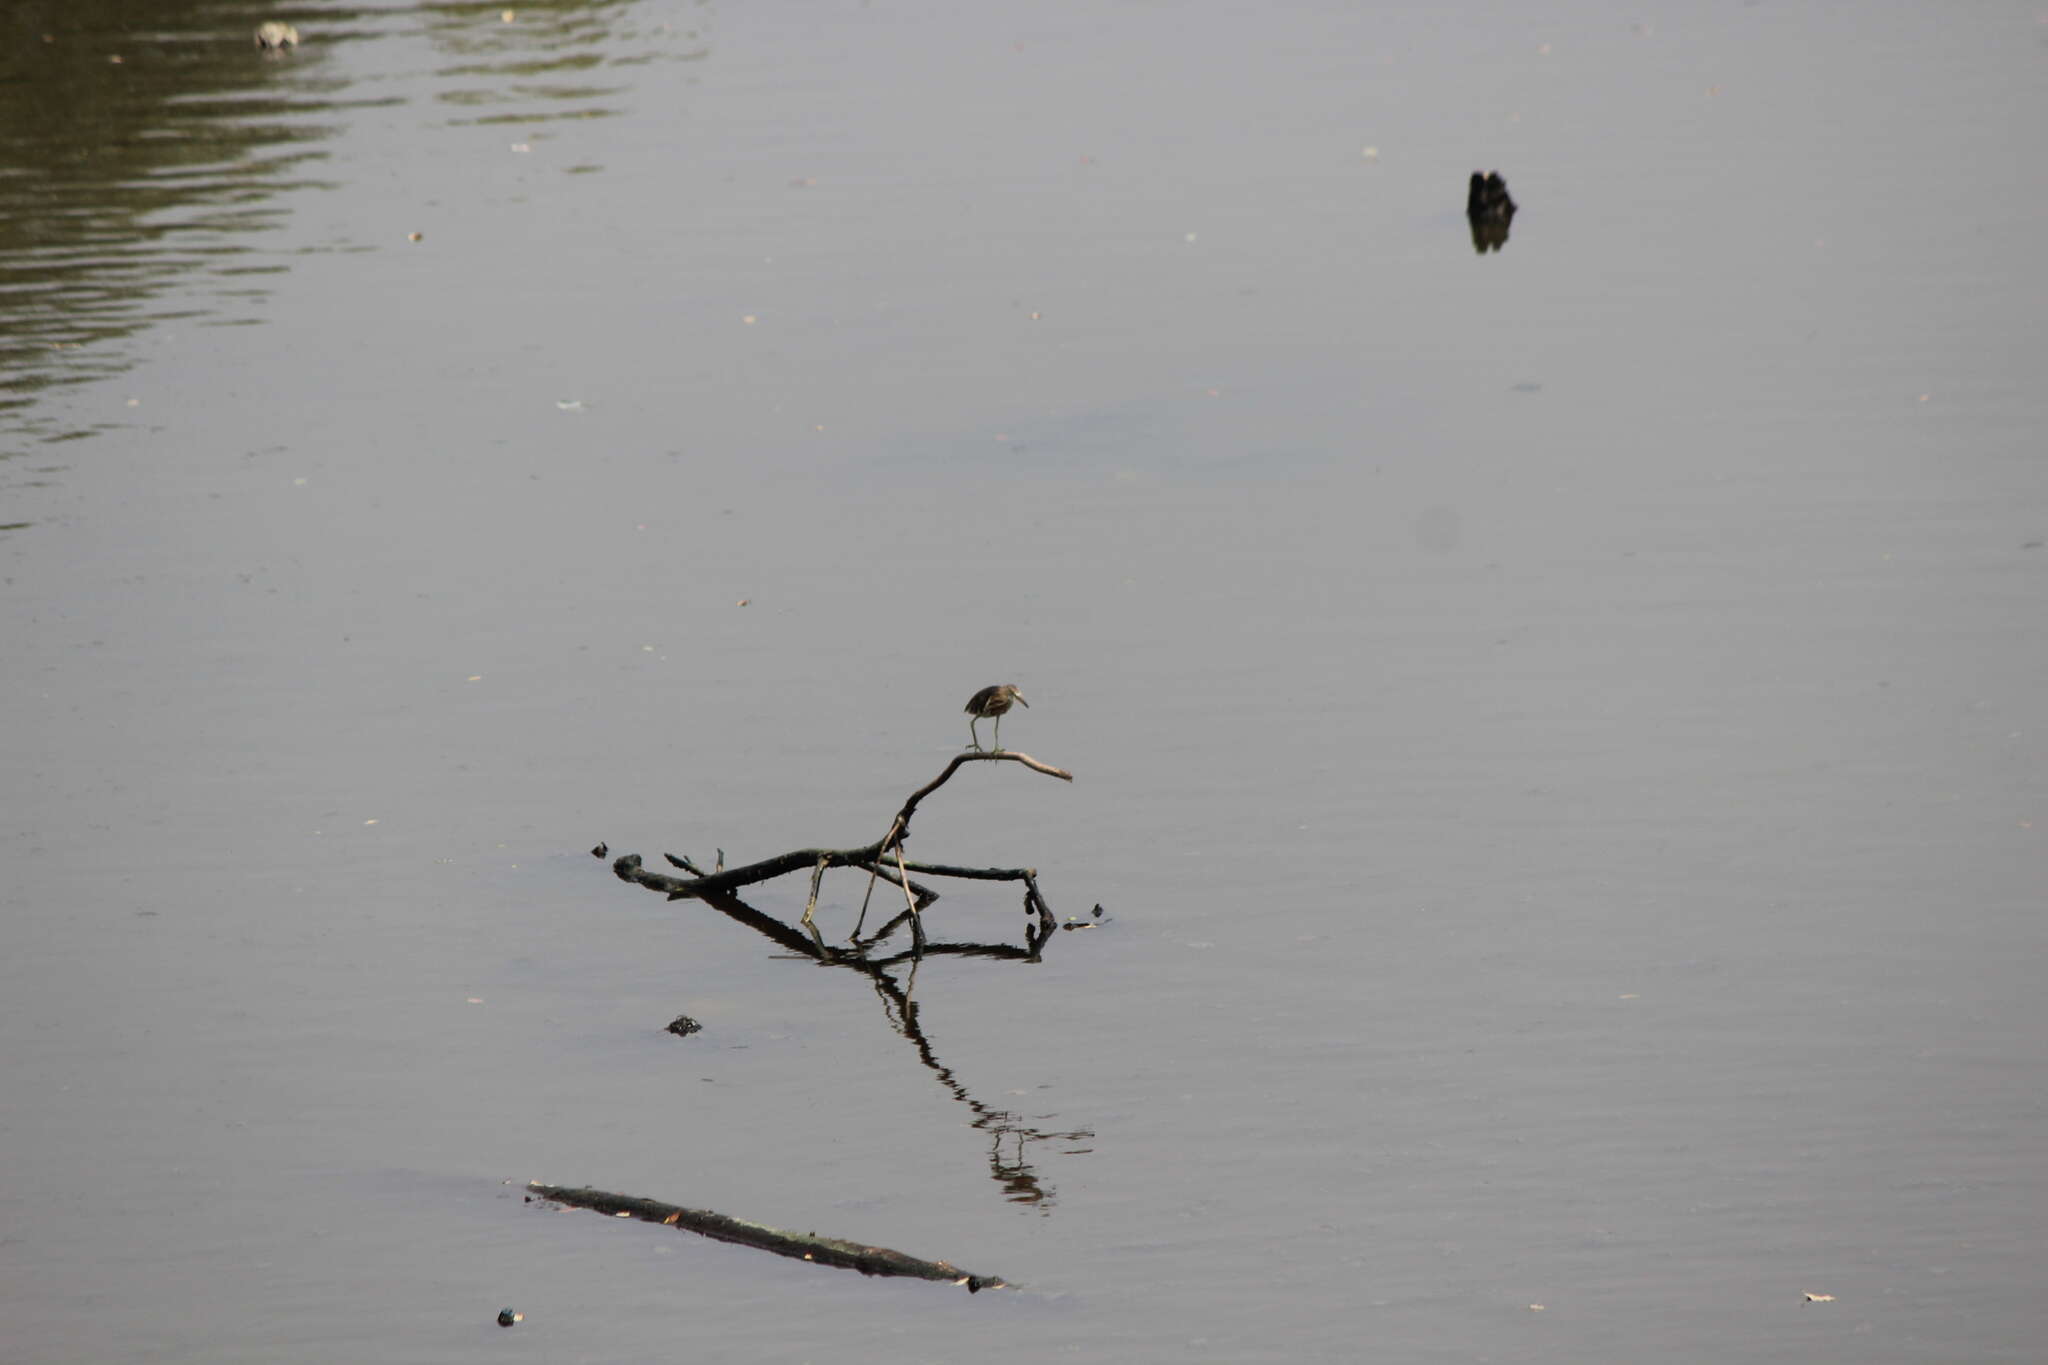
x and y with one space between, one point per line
884 860
1010 1134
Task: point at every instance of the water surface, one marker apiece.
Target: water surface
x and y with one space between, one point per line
1555 730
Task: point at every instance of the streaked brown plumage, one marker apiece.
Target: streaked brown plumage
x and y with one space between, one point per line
993 701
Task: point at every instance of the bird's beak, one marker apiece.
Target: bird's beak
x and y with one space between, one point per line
1018 697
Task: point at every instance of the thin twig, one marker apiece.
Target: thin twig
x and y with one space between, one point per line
874 871
916 920
925 894
817 875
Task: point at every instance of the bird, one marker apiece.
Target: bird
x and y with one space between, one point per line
993 701
276 37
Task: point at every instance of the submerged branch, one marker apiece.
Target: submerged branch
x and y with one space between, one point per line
801 1246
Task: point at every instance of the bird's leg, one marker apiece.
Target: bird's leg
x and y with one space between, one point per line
999 734
972 734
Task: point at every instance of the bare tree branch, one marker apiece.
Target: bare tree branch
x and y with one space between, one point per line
875 859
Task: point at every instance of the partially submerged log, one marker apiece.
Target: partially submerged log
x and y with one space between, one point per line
801 1246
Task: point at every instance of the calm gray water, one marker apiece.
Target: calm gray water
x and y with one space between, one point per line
1557 732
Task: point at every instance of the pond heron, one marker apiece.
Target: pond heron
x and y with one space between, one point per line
993 701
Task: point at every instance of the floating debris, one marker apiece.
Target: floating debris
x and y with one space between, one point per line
1490 210
800 1246
506 1317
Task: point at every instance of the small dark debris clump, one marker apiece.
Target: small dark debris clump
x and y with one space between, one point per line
506 1317
682 1026
1094 920
1490 209
601 849
1488 197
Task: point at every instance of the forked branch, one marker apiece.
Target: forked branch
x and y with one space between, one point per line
883 859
